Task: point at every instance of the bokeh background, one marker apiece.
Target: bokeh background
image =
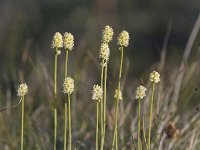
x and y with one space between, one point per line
26 30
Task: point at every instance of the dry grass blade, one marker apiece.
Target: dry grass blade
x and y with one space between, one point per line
184 61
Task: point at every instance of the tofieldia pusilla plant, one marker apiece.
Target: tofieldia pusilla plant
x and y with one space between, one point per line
22 91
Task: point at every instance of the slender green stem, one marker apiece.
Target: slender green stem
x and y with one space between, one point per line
97 124
114 139
65 128
22 125
144 135
121 63
115 129
55 96
119 82
55 127
69 121
150 118
105 92
102 101
104 107
139 124
115 136
65 116
55 74
66 63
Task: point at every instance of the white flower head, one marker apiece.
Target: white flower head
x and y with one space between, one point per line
97 93
22 89
68 41
68 85
123 39
104 51
107 34
57 41
140 92
118 94
154 77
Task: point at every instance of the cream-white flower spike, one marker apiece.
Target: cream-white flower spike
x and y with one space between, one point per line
104 51
68 41
140 92
97 93
57 41
118 94
68 85
22 89
107 34
154 77
123 39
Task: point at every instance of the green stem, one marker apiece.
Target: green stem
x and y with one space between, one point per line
66 63
55 96
104 107
22 125
144 135
150 118
138 124
65 128
119 81
69 125
101 102
115 136
121 63
65 119
55 127
115 129
97 124
55 74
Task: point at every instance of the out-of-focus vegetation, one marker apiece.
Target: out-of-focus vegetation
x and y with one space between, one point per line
26 30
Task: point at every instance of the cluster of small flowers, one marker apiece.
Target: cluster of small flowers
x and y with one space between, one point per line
107 36
22 89
68 85
141 90
66 41
123 39
57 41
104 51
97 93
154 77
118 94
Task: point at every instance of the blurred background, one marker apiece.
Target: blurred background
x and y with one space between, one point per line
26 31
